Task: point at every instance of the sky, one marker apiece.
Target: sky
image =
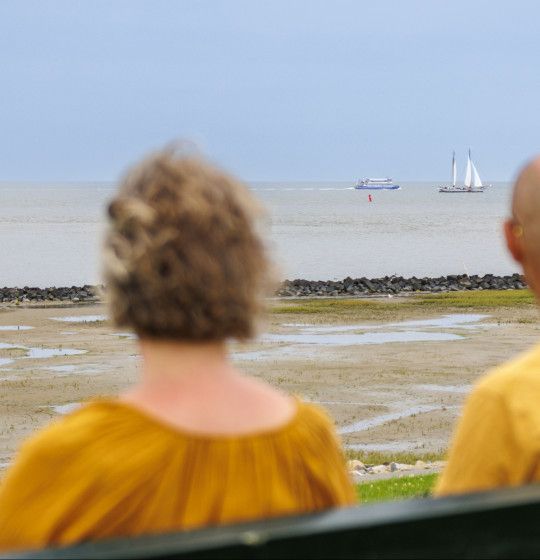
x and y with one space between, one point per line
272 90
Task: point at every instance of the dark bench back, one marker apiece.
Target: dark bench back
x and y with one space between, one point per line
502 524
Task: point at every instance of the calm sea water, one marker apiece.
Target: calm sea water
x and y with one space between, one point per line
51 234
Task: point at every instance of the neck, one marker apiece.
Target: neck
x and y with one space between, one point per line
171 366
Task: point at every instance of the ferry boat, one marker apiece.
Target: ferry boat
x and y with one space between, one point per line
371 184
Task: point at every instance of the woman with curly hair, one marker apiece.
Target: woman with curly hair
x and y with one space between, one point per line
194 442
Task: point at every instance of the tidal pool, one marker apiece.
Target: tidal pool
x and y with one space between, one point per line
446 388
451 321
65 408
15 328
80 318
423 330
86 369
127 334
52 352
37 352
6 345
365 338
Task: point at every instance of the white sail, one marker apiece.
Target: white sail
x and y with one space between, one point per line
477 182
472 182
468 172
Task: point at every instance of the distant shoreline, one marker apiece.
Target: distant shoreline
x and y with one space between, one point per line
352 287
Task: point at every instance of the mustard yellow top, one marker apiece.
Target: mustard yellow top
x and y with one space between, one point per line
109 469
497 441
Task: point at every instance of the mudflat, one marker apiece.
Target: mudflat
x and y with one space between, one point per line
392 372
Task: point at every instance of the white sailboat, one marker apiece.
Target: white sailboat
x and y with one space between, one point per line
472 182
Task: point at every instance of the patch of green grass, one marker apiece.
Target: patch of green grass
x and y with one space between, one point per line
309 305
396 488
484 298
313 306
13 352
381 458
448 300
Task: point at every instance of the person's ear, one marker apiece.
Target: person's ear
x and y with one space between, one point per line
513 233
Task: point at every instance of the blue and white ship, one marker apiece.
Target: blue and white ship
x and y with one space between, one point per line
377 184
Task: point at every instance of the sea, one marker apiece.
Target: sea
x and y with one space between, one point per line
51 234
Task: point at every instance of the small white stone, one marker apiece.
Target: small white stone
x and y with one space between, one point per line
400 467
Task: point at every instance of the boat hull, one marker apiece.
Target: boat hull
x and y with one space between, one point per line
460 191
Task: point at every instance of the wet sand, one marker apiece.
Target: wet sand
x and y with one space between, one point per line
392 385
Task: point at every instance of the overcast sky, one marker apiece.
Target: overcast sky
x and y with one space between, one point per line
273 90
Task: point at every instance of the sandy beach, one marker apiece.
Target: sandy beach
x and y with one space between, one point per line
392 374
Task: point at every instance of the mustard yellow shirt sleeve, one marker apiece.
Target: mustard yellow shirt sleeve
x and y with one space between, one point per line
483 447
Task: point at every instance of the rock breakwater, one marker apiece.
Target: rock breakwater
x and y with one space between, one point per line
399 284
299 288
75 294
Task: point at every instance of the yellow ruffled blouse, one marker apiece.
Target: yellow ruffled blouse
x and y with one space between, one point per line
109 469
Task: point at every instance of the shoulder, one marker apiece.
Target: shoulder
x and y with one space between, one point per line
508 397
517 378
315 427
83 429
68 453
315 415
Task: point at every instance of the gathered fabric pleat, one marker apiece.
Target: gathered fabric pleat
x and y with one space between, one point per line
109 469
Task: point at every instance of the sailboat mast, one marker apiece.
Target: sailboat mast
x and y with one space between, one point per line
468 172
454 169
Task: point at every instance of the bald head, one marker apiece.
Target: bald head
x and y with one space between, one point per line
523 230
526 197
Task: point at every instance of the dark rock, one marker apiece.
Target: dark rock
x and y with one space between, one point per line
301 287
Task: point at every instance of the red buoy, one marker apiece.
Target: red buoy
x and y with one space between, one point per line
369 198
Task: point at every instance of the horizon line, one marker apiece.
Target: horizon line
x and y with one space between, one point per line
5 182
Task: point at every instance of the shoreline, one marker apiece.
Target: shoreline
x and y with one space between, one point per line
297 288
394 400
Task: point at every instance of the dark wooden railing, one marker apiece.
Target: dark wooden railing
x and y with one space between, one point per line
502 524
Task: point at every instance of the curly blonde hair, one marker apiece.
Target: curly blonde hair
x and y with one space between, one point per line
183 259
